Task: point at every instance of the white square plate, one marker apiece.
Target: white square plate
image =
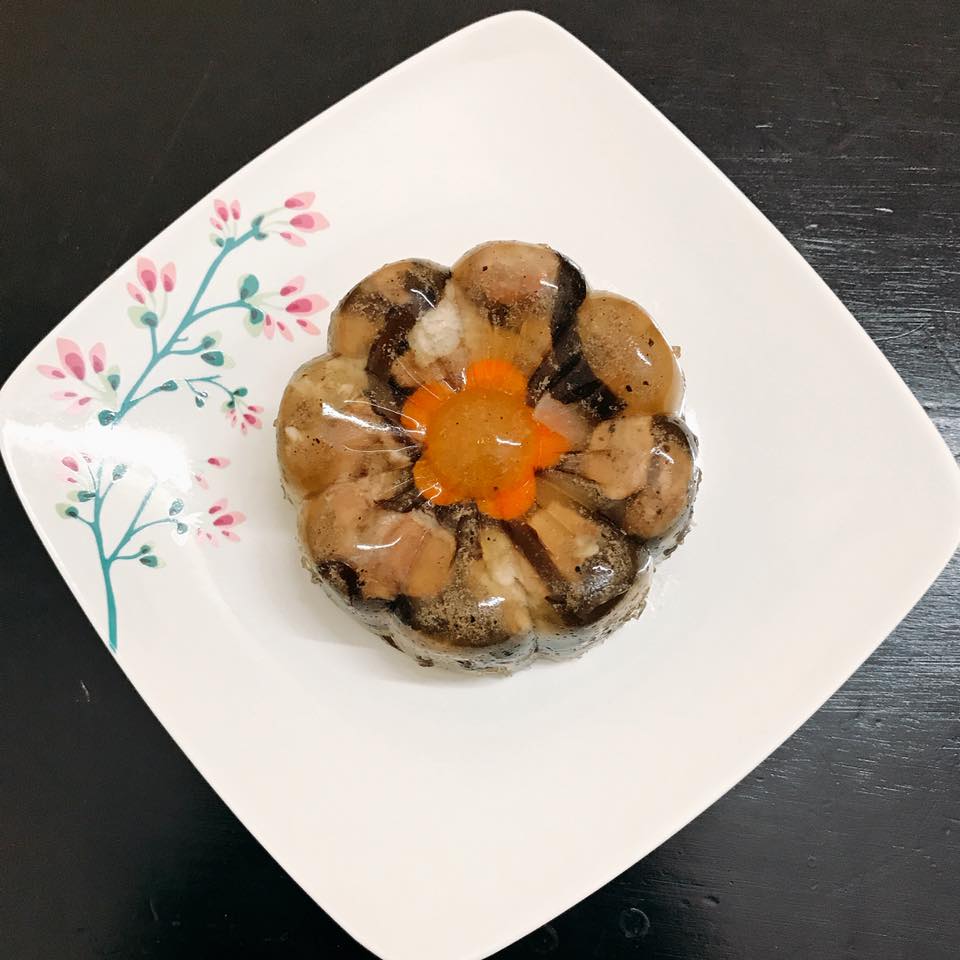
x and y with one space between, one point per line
439 817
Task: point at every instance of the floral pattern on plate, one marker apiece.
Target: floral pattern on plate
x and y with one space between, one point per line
89 386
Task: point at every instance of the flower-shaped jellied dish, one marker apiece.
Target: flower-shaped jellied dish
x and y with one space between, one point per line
490 459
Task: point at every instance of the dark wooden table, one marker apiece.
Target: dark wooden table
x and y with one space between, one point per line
841 120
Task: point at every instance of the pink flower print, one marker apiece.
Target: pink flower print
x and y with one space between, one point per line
226 518
83 383
309 304
76 403
307 326
71 357
249 419
224 220
292 286
240 413
72 473
75 471
147 274
309 222
98 355
271 326
220 463
295 305
301 308
244 416
220 522
149 308
302 218
300 201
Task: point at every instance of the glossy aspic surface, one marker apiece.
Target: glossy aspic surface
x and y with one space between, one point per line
490 459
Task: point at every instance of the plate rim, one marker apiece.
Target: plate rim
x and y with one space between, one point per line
932 567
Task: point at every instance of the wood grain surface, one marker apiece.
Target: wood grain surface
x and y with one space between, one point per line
840 120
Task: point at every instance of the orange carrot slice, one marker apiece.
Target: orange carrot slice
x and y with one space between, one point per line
495 375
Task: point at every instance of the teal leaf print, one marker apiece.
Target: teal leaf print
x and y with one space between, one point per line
253 322
249 285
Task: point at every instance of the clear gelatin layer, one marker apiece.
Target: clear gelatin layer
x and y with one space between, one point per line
490 459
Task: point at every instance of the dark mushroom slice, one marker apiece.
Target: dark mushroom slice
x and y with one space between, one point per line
492 601
611 359
662 506
640 470
375 319
586 563
328 430
566 375
588 494
504 577
512 594
370 553
388 301
523 292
